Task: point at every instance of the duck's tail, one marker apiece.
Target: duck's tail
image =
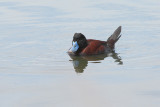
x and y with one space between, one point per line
114 38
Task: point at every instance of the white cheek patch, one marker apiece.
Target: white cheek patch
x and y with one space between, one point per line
74 47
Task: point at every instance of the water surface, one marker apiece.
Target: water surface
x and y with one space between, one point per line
36 71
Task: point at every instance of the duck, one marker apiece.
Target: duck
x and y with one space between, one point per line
86 47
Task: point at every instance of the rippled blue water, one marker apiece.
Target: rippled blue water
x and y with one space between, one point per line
36 71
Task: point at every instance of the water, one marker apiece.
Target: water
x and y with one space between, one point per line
35 70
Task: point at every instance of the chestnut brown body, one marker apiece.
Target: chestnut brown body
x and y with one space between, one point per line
94 47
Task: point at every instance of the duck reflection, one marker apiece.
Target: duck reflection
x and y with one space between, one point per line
81 62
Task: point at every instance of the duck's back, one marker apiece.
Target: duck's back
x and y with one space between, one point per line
94 47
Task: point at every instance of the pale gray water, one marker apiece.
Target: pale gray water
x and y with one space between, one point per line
35 70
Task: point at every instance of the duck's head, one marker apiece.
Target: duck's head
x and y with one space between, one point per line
79 42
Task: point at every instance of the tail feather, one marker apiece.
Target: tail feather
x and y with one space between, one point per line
114 37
